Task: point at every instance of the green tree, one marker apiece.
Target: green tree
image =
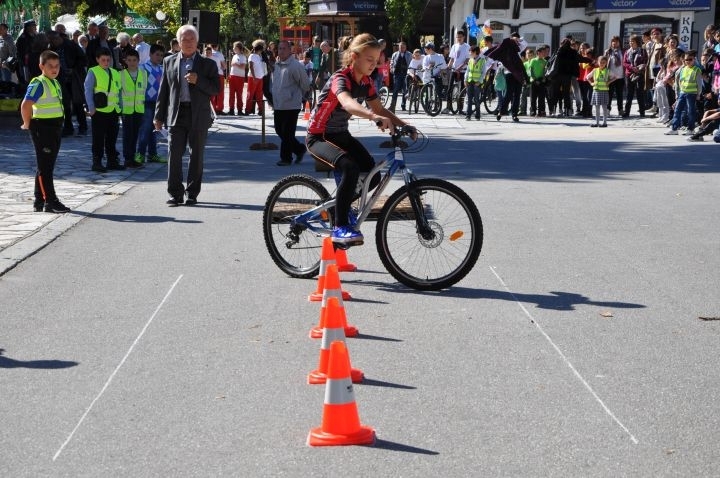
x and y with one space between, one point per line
403 17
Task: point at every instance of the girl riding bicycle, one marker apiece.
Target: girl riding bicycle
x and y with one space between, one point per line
328 137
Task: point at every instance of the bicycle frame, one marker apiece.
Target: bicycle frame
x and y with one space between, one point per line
394 162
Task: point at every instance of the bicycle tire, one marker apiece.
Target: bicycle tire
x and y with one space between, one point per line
414 102
490 99
440 262
430 100
462 97
297 253
453 98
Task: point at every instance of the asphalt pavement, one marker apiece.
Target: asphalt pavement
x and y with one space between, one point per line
143 340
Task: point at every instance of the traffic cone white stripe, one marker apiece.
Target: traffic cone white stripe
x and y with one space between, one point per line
330 335
339 391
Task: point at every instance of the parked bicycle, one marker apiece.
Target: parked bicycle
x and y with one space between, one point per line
428 235
488 96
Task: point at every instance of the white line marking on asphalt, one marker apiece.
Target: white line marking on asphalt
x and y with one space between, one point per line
112 375
565 359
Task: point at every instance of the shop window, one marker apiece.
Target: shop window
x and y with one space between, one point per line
496 4
536 3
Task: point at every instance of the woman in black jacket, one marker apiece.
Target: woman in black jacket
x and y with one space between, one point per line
567 60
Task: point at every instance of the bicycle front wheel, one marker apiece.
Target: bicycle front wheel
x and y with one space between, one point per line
294 248
448 251
490 99
454 98
430 100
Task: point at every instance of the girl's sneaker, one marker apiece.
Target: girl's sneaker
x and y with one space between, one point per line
347 236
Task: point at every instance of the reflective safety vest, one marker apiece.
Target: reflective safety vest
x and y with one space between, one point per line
49 105
475 69
688 79
600 76
102 80
133 91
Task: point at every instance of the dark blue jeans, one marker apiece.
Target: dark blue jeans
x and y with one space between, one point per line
147 141
131 128
399 86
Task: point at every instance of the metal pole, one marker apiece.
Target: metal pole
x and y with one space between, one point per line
444 21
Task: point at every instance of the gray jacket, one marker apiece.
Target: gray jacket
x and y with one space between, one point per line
289 83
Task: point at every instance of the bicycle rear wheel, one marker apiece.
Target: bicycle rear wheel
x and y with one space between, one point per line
293 248
445 255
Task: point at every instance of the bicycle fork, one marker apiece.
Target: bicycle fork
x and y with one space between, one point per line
415 196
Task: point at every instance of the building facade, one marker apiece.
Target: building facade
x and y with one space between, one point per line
593 21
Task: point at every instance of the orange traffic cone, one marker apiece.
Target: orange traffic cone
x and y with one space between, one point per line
340 421
317 332
342 261
327 257
333 288
306 115
332 331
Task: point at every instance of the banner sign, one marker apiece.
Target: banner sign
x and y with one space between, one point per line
646 5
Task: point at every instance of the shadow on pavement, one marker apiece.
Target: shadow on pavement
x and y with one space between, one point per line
389 445
137 219
6 362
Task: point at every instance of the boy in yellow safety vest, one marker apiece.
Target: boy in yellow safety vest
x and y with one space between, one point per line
688 86
102 97
43 115
133 82
474 81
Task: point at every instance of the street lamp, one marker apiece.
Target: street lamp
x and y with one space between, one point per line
160 15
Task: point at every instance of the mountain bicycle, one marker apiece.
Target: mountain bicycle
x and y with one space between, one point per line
431 98
455 91
414 85
429 232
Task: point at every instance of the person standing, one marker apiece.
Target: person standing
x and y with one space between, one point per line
188 82
7 50
256 72
399 63
147 140
237 78
474 81
141 47
71 77
133 83
99 40
218 101
615 65
457 62
635 61
24 46
42 115
289 84
508 52
102 97
688 87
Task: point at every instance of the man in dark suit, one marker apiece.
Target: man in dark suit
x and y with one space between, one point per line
183 104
